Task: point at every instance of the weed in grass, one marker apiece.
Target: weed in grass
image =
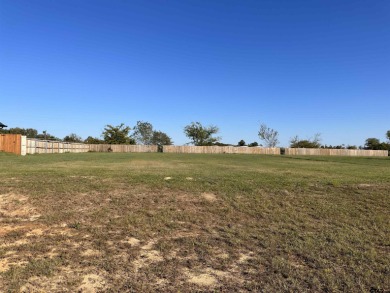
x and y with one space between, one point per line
75 225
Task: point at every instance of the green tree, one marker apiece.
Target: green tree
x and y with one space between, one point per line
241 143
201 135
47 136
375 144
93 140
222 144
73 137
117 134
253 144
268 135
29 132
17 130
143 133
314 143
160 138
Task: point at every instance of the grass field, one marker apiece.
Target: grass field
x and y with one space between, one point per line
109 222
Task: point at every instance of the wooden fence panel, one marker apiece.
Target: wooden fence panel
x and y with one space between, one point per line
220 150
37 146
17 144
123 148
11 143
23 145
335 152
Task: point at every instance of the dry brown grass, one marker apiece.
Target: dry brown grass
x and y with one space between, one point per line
113 223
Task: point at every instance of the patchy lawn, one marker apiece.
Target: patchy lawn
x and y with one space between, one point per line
180 223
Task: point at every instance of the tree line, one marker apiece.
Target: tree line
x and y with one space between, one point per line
199 135
141 133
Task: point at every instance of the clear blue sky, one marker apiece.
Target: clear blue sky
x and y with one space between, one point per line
301 67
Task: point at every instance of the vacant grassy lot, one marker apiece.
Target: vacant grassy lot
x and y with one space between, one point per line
180 223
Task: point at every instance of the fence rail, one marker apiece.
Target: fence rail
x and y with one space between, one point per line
220 150
335 152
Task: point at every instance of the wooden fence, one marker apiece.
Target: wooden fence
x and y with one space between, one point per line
335 152
20 145
37 146
12 143
119 148
220 150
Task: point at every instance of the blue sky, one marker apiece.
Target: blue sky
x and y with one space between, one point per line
301 67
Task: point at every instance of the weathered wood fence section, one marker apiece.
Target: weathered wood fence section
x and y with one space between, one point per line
37 146
12 143
335 152
20 145
220 150
119 148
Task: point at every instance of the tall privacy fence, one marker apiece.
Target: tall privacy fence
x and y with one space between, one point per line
20 145
121 148
13 143
335 152
37 146
220 150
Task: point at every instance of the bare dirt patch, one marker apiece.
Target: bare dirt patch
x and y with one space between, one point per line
132 241
15 243
45 284
211 197
90 252
25 240
16 206
149 245
207 277
7 263
221 254
66 277
36 232
364 186
202 279
92 283
5 229
147 256
244 257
